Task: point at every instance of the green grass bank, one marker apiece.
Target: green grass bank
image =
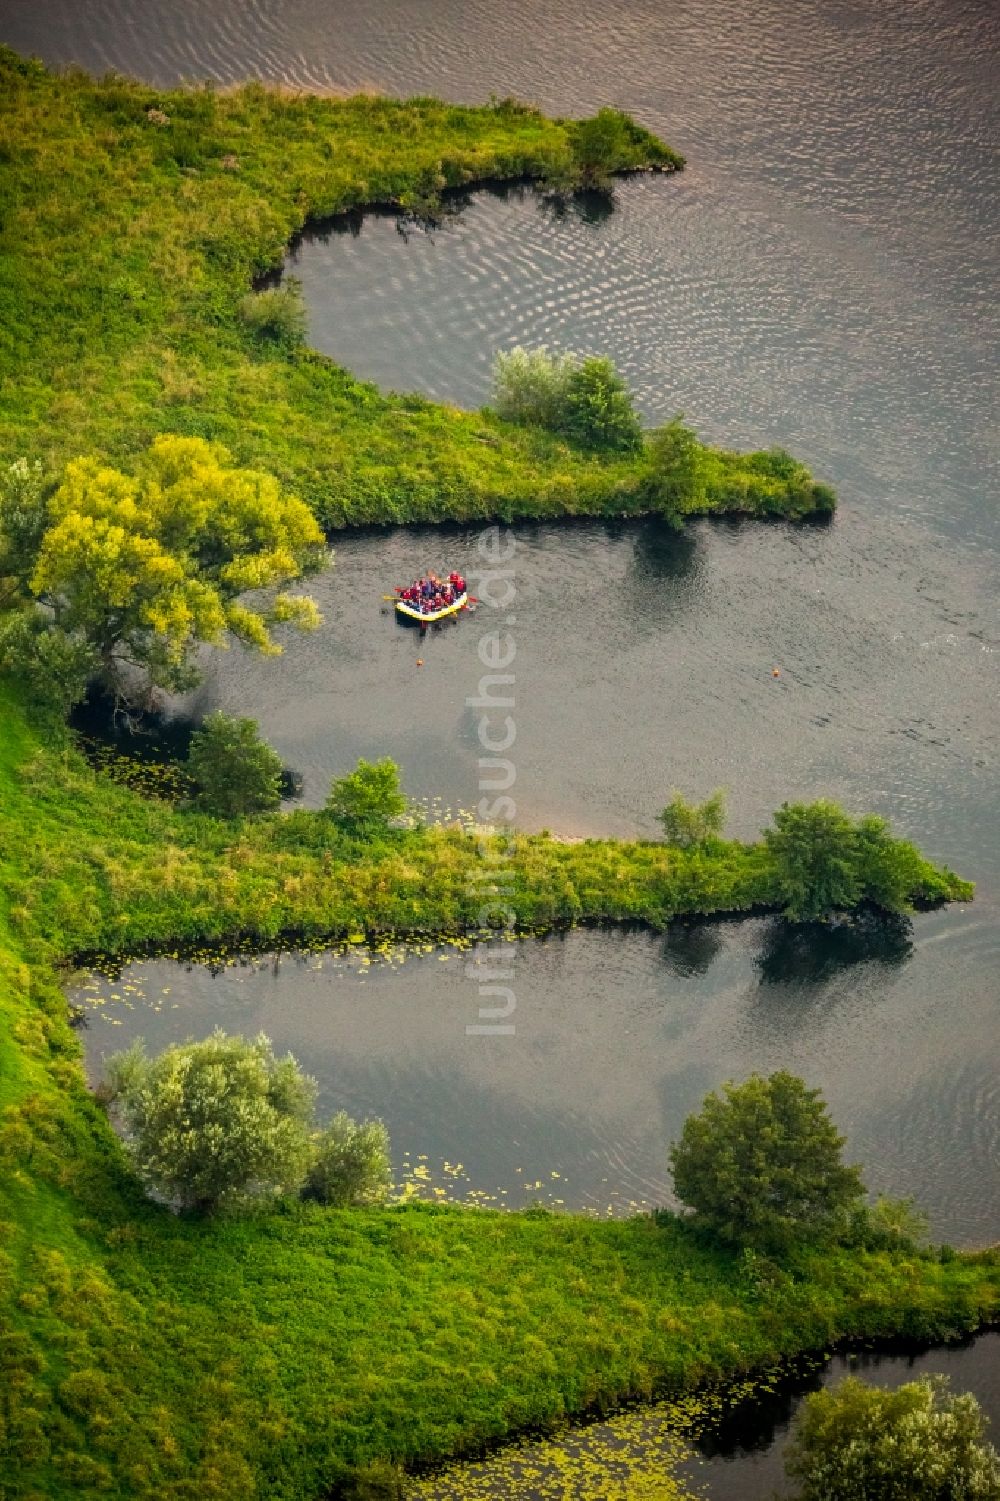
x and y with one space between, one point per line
283 1355
133 221
90 865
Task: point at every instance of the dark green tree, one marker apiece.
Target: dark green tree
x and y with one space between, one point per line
816 856
367 798
889 869
921 1442
236 772
597 408
761 1165
675 480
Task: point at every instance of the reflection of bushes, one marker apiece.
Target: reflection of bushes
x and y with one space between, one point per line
691 948
810 953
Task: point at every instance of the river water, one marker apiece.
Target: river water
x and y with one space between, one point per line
823 276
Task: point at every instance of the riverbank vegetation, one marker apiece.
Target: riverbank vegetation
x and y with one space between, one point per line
285 1354
92 866
314 1350
922 1442
133 222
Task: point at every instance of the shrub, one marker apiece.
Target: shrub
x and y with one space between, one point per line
55 666
208 1122
236 772
585 400
814 846
677 467
889 869
601 145
352 1164
688 824
529 386
856 1442
367 798
826 861
598 410
277 315
889 1225
23 518
761 1165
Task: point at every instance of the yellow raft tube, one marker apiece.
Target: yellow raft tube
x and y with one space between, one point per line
410 612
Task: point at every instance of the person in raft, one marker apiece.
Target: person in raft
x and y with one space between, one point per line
431 594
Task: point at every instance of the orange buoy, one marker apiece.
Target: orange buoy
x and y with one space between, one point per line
420 661
775 672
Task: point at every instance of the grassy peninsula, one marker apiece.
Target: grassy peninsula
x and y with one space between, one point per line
286 1354
133 221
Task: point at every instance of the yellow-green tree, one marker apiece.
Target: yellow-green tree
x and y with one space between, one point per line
142 568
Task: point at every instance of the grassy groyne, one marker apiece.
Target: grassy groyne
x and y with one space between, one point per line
134 221
90 865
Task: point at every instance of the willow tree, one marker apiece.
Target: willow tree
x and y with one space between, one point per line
137 570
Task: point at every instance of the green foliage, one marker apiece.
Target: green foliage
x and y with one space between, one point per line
351 1165
136 571
23 519
921 1442
598 410
686 825
277 314
367 798
584 400
889 1224
677 470
815 851
609 142
132 245
761 1165
825 862
53 665
530 386
214 1121
236 772
886 867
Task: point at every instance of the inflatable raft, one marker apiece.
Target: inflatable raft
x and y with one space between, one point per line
427 617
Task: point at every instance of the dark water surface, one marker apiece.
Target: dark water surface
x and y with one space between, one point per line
618 1037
